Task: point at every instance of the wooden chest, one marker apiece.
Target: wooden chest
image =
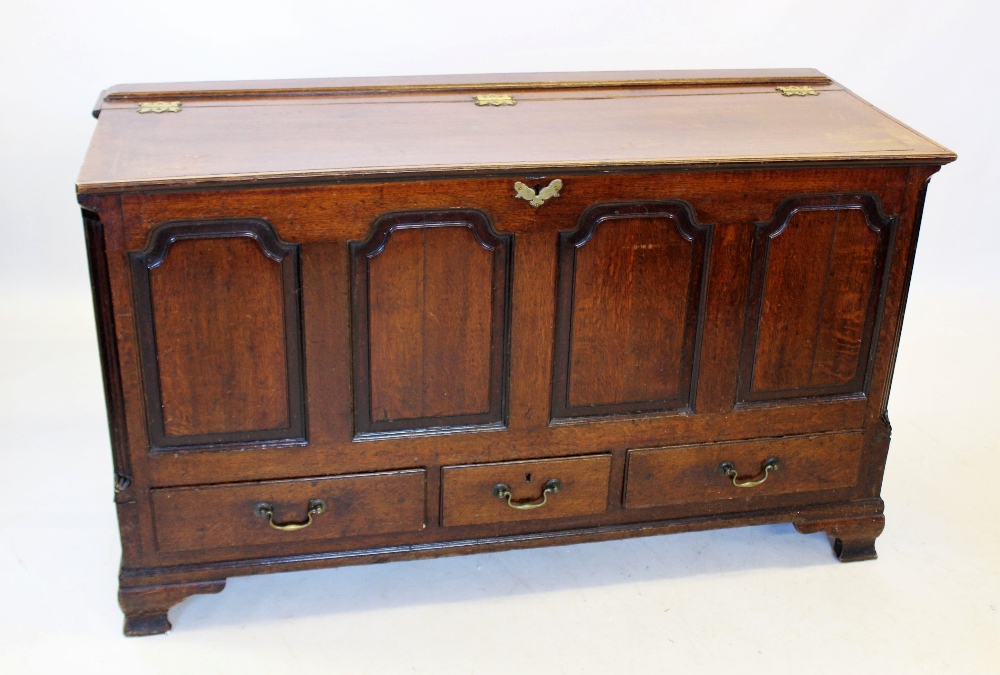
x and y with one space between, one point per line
351 321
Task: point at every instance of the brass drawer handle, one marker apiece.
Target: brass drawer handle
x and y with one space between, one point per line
266 510
502 491
728 469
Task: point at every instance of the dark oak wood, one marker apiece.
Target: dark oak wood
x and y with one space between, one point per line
360 308
220 516
853 538
468 498
114 397
483 544
431 319
659 476
146 607
817 286
631 296
379 131
218 315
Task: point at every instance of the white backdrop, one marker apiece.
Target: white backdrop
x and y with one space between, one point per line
930 63
754 599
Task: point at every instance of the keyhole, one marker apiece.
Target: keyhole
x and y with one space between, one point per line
527 478
538 188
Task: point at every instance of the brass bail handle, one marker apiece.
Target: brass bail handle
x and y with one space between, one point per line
728 469
266 510
502 491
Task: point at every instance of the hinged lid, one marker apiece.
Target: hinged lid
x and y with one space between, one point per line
240 132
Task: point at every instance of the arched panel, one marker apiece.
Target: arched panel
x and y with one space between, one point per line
631 291
430 322
818 272
219 325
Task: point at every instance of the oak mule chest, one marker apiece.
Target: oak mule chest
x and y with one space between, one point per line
359 320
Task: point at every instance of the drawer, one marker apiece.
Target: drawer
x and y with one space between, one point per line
691 473
535 490
220 516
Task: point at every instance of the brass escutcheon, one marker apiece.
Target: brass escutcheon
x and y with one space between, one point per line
728 470
266 510
536 199
502 491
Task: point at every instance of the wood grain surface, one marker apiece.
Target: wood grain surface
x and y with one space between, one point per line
217 309
818 283
328 136
676 475
332 290
629 309
430 307
220 516
430 295
631 297
219 322
326 218
819 270
467 496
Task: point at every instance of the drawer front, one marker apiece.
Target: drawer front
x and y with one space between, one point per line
221 516
691 473
470 494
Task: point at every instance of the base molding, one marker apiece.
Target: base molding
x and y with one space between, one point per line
146 607
210 571
147 594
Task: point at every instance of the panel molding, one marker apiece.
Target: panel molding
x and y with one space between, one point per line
682 215
885 226
160 240
501 248
107 342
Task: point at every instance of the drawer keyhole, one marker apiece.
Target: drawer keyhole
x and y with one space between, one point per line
527 478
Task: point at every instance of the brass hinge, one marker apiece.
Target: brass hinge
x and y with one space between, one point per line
494 99
160 107
797 91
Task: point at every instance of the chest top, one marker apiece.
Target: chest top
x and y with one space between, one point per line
238 133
